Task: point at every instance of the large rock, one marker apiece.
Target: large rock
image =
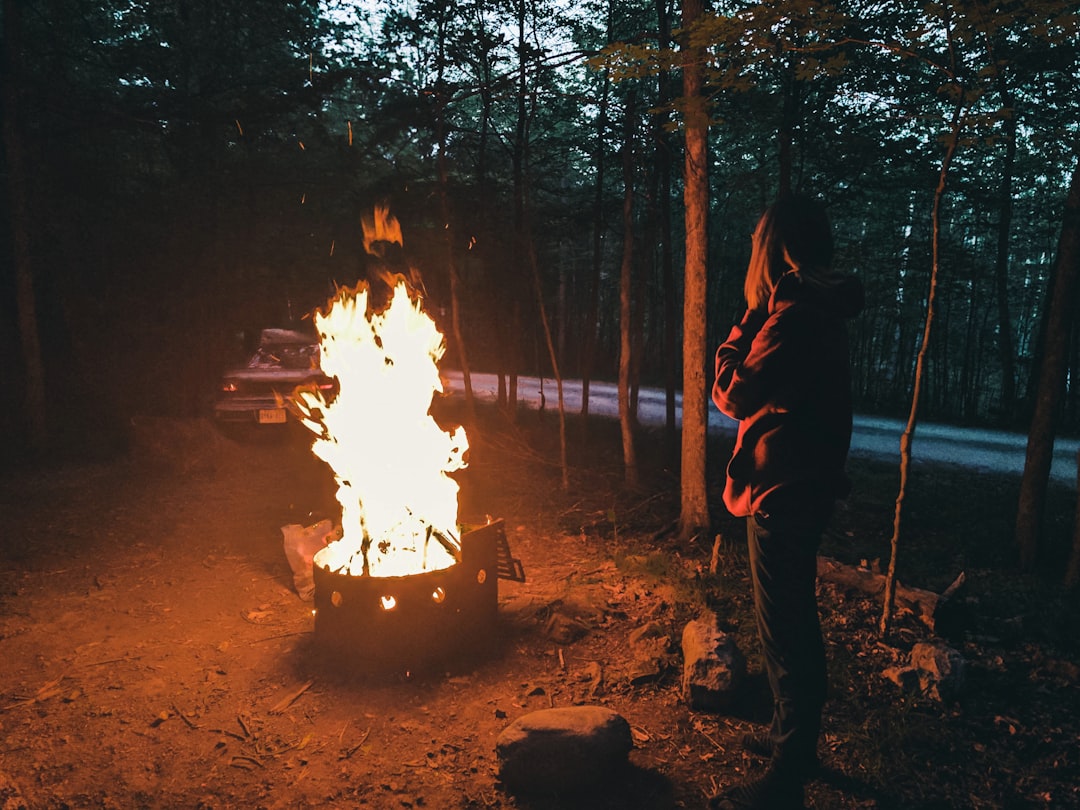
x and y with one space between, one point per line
649 646
563 750
713 666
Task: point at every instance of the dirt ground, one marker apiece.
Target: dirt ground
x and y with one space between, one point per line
155 655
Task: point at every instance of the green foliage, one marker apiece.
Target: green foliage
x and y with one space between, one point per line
214 158
626 60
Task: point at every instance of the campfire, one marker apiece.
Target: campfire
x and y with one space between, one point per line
403 585
391 459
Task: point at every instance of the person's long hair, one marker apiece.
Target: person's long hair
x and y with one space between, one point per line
793 234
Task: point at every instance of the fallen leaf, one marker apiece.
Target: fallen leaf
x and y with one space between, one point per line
639 734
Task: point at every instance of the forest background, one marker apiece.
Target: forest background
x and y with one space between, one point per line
182 174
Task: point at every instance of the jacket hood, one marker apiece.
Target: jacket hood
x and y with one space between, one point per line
842 295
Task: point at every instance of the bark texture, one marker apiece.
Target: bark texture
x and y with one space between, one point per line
1040 446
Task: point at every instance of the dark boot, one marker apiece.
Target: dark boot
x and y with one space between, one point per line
760 744
778 789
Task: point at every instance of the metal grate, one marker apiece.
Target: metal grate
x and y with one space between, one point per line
509 567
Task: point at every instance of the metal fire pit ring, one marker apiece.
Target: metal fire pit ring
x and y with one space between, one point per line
414 622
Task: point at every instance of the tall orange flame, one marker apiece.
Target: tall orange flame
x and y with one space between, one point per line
381 227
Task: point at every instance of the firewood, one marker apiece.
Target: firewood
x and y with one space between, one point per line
926 605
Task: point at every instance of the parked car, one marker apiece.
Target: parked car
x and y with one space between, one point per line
255 394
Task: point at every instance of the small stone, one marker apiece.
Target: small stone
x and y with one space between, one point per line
564 749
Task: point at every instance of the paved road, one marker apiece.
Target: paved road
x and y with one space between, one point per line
875 437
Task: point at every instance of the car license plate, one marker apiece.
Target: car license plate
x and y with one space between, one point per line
272 416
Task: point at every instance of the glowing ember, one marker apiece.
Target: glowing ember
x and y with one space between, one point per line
389 456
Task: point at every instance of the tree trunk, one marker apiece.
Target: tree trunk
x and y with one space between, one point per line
1040 445
442 100
667 265
639 300
920 362
523 239
1006 352
535 264
785 132
485 242
966 395
33 399
694 514
626 418
521 132
1072 573
592 315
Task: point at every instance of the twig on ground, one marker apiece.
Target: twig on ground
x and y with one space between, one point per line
184 717
112 661
278 636
48 690
290 698
347 754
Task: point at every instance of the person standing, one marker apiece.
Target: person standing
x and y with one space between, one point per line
784 374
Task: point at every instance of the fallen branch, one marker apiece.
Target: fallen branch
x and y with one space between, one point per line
347 754
277 636
228 733
49 690
121 659
926 605
290 698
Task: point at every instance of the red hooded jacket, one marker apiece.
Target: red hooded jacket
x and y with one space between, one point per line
784 373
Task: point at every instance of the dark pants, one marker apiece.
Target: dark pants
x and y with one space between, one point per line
783 567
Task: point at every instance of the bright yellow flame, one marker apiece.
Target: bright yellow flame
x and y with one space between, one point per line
390 458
